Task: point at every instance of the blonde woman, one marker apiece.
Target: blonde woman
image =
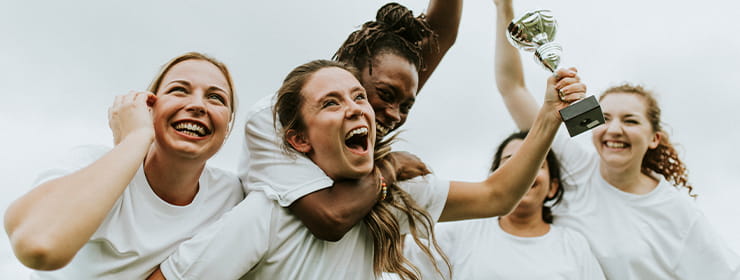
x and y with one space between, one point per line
117 213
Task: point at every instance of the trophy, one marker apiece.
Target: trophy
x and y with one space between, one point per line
535 31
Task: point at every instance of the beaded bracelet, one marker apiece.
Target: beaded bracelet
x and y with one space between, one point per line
383 188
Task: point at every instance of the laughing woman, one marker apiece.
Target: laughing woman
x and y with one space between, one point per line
117 213
396 54
326 116
625 198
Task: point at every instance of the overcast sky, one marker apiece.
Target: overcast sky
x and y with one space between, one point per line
62 63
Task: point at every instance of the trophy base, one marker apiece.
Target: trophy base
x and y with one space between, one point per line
582 116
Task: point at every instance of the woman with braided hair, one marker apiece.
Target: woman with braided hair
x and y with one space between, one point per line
395 53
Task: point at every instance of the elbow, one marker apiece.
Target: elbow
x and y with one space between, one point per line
330 227
39 253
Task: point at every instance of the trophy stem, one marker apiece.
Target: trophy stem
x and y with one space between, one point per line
549 55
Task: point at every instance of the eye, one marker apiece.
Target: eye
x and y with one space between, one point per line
405 108
217 97
384 95
631 121
329 103
177 89
361 96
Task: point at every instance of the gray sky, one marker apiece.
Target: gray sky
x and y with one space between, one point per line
64 61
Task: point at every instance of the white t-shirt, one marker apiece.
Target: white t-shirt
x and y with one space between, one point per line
258 239
265 166
480 249
658 235
141 230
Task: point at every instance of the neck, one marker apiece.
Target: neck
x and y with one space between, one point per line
630 179
524 224
173 179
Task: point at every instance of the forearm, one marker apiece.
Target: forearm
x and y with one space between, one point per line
513 179
329 213
51 223
502 190
509 73
443 17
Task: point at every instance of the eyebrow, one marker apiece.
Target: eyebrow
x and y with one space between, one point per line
186 83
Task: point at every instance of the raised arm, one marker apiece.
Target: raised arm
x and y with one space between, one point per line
503 189
48 225
509 75
444 18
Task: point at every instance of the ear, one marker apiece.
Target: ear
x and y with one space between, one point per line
298 141
554 185
656 140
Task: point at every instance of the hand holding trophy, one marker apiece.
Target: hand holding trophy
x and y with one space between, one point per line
535 31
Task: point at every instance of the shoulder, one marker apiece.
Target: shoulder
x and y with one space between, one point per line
222 182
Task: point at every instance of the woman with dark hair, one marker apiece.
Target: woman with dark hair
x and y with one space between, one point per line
116 213
326 116
507 247
395 53
625 198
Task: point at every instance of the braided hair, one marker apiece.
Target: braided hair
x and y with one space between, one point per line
395 30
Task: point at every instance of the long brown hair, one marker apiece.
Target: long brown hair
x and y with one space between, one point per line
664 159
381 221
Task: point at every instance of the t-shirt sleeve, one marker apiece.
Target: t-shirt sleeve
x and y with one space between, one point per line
429 192
589 265
576 163
706 256
71 161
284 176
228 248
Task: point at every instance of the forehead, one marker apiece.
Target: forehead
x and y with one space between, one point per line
624 103
511 147
394 70
328 80
196 72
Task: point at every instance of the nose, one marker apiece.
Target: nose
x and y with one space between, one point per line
196 105
613 127
353 110
393 113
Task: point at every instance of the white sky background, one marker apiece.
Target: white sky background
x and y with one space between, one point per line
62 63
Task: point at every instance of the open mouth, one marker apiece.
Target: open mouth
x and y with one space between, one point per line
381 129
356 139
191 128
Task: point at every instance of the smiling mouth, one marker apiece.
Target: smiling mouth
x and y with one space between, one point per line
356 139
191 128
616 145
381 129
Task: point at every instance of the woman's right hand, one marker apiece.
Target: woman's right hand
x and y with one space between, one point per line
132 113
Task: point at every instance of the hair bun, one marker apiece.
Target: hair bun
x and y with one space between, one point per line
398 19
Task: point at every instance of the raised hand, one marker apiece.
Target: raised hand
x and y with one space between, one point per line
131 113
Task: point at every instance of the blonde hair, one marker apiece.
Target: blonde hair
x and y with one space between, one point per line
157 81
664 159
381 221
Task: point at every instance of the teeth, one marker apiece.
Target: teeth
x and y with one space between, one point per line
616 145
382 129
191 127
356 131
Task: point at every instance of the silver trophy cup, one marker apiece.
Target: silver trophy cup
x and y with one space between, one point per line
534 32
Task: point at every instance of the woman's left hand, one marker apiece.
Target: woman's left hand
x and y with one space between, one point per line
563 88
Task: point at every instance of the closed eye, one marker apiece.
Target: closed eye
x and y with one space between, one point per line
177 89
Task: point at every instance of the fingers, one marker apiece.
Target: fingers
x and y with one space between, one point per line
569 86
